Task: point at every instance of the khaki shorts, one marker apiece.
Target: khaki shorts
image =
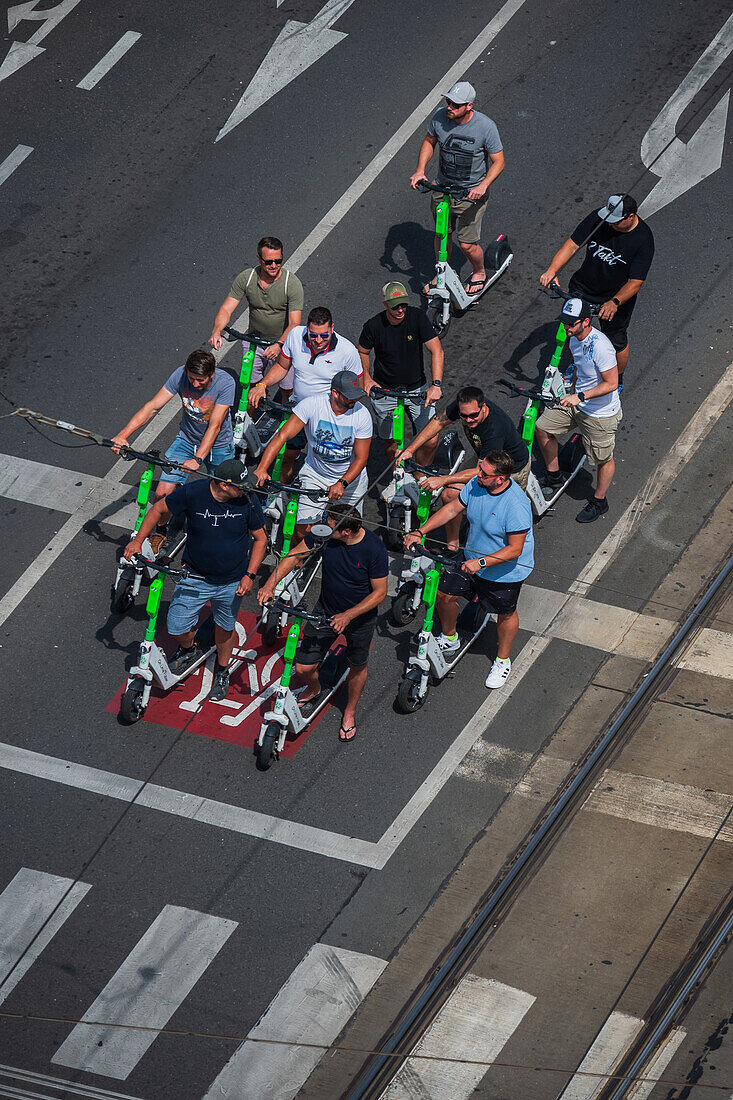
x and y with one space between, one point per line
522 476
598 432
465 217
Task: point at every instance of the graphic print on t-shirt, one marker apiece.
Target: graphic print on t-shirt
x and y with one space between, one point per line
332 441
199 408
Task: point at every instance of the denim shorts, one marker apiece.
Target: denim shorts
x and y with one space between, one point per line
180 449
190 595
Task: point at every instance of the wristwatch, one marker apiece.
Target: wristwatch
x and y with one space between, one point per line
482 562
437 382
580 395
197 458
616 301
344 482
252 576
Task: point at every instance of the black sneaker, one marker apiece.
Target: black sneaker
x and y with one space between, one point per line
182 658
220 687
593 509
550 485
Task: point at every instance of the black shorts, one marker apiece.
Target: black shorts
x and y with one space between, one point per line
298 442
498 596
316 641
616 328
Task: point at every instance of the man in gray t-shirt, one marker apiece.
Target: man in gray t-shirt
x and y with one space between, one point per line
470 156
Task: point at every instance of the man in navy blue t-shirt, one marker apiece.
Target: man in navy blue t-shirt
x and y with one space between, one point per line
354 570
221 519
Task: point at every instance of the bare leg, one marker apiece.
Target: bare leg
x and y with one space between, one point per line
606 470
448 610
224 645
622 360
355 682
185 640
549 448
453 526
506 629
425 454
309 673
301 530
475 254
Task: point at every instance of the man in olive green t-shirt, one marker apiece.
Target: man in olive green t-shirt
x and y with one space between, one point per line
275 297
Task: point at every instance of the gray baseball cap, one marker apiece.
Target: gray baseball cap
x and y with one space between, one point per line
346 382
462 92
617 208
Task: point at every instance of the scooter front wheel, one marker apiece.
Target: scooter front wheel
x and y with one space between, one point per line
403 609
435 316
270 631
409 696
132 707
396 529
267 752
122 597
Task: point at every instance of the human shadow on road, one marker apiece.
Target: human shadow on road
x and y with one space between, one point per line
542 340
408 254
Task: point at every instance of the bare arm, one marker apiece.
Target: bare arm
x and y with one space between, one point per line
437 361
558 261
378 593
222 319
496 167
210 435
367 380
627 291
141 417
158 514
358 462
257 553
295 558
429 432
512 550
274 375
426 151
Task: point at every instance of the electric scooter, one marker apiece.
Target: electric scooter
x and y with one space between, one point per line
430 665
290 590
402 494
448 287
129 577
247 440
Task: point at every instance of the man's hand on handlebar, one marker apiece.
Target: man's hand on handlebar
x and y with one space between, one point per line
134 546
336 491
570 401
548 277
256 394
415 179
271 353
607 311
119 441
412 538
433 394
403 455
260 474
266 592
215 340
477 192
470 566
431 483
341 621
192 465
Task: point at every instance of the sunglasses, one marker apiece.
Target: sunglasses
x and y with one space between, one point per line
402 305
455 106
271 263
469 416
318 335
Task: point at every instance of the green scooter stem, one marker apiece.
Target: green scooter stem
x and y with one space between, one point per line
398 423
153 606
442 216
429 595
533 410
561 340
276 469
291 645
143 494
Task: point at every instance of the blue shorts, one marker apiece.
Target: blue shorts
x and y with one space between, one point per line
190 595
180 449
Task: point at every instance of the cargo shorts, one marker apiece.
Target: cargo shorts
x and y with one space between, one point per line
597 432
464 218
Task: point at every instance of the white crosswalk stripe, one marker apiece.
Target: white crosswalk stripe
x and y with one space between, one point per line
55 1085
317 1000
160 971
608 1046
475 1023
28 909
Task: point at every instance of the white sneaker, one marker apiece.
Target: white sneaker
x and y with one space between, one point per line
499 673
449 645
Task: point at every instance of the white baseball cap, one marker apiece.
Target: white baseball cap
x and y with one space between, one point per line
461 93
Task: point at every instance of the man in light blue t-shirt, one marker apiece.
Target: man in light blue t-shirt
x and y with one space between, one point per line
471 157
498 556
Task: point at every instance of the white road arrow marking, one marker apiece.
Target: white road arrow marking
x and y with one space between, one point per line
296 47
681 165
22 52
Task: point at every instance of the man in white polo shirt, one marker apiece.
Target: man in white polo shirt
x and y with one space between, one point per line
339 433
315 353
594 409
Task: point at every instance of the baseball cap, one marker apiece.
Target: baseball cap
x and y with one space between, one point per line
394 294
346 383
233 470
573 310
462 92
617 207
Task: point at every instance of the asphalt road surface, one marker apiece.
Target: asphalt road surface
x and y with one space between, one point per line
121 230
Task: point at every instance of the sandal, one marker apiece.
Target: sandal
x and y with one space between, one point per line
307 707
347 733
478 283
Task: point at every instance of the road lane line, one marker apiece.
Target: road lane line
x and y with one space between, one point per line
27 910
190 806
93 77
476 1022
604 1053
149 987
60 1084
13 161
331 983
658 1064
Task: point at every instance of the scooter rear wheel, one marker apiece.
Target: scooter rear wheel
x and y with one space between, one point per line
131 703
409 696
396 529
435 316
267 752
402 610
270 631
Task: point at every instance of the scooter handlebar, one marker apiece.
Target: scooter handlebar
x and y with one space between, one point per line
533 395
231 334
381 391
445 189
297 611
554 290
280 486
272 404
447 560
184 571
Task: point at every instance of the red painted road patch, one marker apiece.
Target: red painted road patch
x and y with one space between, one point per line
237 719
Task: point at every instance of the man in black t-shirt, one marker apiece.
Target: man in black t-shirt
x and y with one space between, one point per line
487 428
397 337
617 261
354 570
221 518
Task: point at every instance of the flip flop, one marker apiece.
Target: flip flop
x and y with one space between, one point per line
310 705
478 283
347 733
